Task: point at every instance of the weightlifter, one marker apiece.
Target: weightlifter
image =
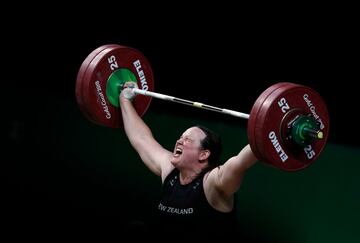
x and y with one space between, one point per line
198 191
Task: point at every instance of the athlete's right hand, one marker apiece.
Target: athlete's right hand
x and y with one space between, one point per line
127 90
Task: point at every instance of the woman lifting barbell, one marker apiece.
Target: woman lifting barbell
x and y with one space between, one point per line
288 128
198 191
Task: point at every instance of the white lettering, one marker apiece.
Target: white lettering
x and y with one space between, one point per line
162 207
141 75
313 110
283 105
102 100
173 210
283 156
112 62
310 153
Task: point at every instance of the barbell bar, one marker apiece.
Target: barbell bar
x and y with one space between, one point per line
190 103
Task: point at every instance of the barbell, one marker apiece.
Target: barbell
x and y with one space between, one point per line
288 125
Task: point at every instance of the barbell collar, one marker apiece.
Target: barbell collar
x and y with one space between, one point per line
314 133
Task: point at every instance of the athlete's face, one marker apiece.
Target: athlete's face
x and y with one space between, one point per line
188 147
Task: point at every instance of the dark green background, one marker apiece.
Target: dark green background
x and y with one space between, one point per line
77 177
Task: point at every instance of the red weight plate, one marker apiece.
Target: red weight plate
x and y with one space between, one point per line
265 121
79 79
252 122
96 77
265 114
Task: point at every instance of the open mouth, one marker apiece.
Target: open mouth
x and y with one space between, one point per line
178 152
